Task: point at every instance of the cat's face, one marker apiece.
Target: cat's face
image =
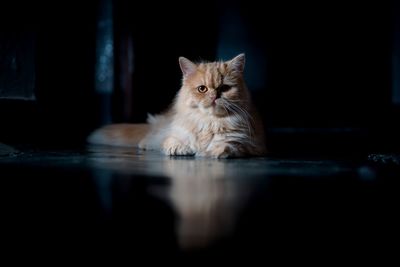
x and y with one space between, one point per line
215 87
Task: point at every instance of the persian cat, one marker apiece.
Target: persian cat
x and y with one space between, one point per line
211 116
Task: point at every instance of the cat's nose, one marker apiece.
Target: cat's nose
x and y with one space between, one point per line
213 96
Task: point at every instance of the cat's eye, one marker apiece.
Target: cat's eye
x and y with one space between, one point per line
202 89
224 87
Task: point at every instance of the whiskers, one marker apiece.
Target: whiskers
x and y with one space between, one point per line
242 116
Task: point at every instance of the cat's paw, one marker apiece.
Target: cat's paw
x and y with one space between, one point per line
174 147
222 151
142 144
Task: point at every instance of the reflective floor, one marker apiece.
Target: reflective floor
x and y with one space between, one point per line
117 204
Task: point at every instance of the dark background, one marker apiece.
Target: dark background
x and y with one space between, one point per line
325 76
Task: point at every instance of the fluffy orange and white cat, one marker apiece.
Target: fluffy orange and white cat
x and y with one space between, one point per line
211 115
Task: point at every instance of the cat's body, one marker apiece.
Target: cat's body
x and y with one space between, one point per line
212 115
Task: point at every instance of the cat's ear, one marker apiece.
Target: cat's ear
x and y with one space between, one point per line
187 66
237 63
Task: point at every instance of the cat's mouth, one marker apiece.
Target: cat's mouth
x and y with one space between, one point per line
213 103
217 101
218 108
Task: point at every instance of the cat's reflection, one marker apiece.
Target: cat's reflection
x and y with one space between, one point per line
206 199
206 194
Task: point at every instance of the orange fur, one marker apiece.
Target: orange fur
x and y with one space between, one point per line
212 115
123 134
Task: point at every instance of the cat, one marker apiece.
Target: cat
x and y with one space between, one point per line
212 115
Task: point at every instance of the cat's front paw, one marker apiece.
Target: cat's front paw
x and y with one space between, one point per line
222 151
174 147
